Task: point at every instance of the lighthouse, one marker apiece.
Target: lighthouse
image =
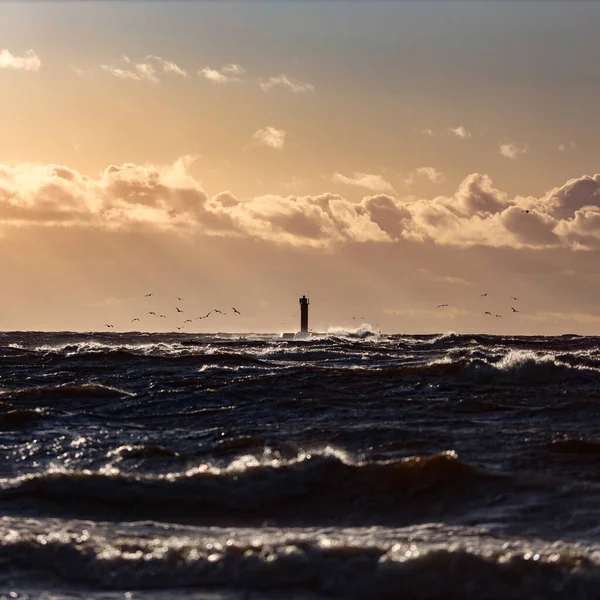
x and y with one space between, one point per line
304 314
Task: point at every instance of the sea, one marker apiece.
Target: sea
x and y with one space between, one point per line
351 465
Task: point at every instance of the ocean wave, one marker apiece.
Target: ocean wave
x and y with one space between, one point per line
312 483
356 570
68 391
515 366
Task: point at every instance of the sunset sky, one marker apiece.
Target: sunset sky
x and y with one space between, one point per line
379 156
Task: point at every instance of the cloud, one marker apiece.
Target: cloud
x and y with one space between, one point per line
512 150
298 87
168 66
80 72
565 147
140 72
375 183
453 280
30 61
460 132
429 173
133 197
228 74
270 137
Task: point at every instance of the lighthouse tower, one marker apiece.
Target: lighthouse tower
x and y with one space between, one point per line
304 314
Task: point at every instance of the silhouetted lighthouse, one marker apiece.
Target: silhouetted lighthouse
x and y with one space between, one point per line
304 314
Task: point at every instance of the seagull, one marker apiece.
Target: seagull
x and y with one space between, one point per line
481 295
217 310
178 309
525 211
235 310
180 328
147 295
514 309
136 319
151 313
162 316
107 325
440 305
498 316
187 321
514 298
204 317
487 312
178 298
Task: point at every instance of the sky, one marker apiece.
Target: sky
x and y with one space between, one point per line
382 157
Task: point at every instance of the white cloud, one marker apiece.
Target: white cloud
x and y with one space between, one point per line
168 66
140 72
512 150
228 74
460 132
375 183
80 72
271 137
298 87
168 197
565 147
429 173
30 61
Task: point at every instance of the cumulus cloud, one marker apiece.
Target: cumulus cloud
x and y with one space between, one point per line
460 132
227 74
137 72
375 183
298 87
270 137
168 197
168 66
429 173
30 61
512 150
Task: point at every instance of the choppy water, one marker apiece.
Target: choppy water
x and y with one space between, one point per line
350 466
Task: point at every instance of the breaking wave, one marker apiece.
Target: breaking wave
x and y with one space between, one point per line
314 483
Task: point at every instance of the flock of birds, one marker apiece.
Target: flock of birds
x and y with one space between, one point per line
487 312
179 311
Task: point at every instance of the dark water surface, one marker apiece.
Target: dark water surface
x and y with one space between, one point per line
350 466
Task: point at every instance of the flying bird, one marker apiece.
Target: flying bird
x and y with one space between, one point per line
107 325
438 306
481 295
514 298
500 316
178 309
187 321
151 313
162 316
204 317
514 309
178 298
136 319
487 312
235 310
217 310
525 211
147 295
180 328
